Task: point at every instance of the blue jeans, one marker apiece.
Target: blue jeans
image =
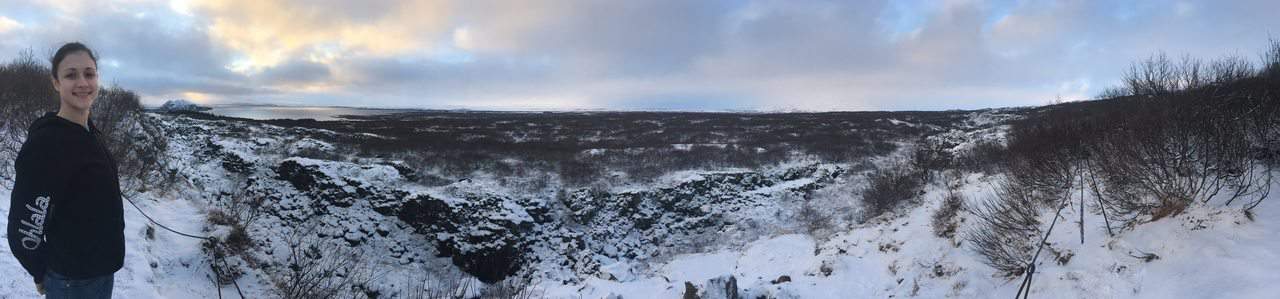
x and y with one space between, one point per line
57 286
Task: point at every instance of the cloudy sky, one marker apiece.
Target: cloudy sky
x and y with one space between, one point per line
631 55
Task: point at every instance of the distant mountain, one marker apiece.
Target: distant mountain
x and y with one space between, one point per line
182 105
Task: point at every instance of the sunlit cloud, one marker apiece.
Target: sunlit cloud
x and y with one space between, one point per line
268 32
196 97
7 24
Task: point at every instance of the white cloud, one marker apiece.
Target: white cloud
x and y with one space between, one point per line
462 39
7 24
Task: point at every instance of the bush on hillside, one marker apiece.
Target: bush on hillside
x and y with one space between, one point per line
944 221
1175 134
315 269
1007 227
888 187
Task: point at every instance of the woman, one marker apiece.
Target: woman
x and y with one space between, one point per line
66 222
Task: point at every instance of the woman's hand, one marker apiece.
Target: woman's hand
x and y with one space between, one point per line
40 288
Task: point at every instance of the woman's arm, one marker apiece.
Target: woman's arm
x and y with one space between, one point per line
35 188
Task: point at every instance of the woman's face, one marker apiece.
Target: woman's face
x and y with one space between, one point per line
77 81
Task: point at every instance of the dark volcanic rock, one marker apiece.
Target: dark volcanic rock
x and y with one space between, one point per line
341 191
480 235
301 177
664 217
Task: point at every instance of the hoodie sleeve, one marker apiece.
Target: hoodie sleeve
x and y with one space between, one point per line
35 191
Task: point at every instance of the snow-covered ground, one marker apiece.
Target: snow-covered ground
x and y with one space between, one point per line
168 266
1206 252
689 228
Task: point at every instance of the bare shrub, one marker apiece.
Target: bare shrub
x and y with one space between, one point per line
1114 92
134 139
243 207
931 155
236 243
1045 151
315 269
224 273
459 285
1006 227
1181 134
985 156
26 89
1229 69
25 94
237 212
1263 130
513 288
1154 76
1131 188
1271 59
1235 164
888 187
944 219
1158 75
811 219
1170 156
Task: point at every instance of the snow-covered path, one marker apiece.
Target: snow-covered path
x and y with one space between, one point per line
168 266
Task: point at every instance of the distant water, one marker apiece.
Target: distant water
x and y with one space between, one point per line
295 112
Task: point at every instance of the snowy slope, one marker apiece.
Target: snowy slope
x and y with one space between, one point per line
692 228
168 266
1203 253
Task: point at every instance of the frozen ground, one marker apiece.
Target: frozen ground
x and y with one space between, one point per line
742 227
1203 253
168 266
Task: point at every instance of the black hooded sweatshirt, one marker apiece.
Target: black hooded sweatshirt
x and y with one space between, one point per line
66 213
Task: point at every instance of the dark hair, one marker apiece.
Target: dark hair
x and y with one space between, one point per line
67 49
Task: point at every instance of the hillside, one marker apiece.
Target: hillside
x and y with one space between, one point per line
288 188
